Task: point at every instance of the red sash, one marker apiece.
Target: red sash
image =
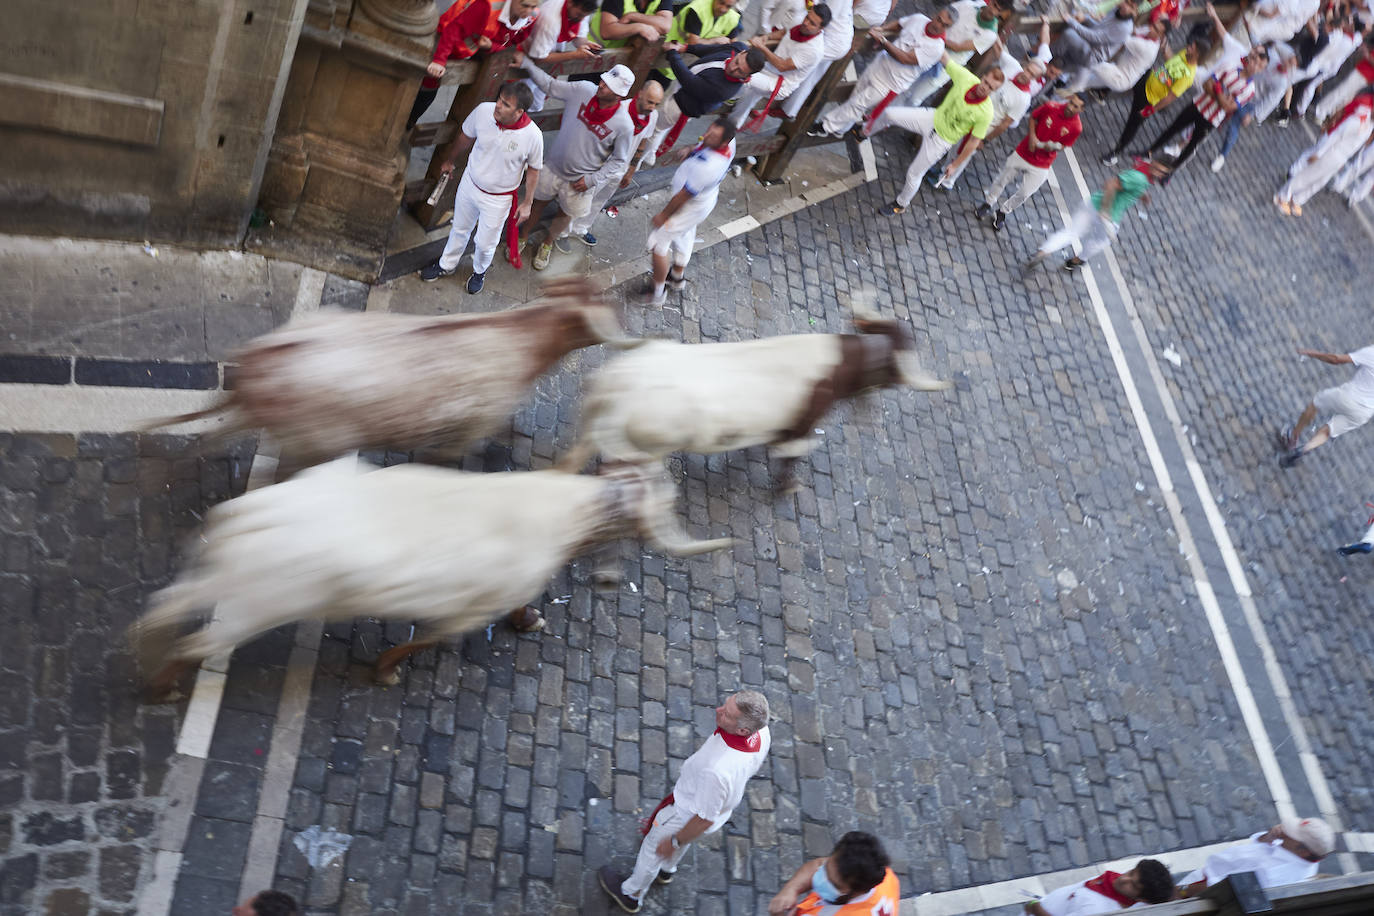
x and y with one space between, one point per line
877 112
648 822
673 133
756 121
1361 103
512 227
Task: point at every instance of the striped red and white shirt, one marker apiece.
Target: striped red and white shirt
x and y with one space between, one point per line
1236 84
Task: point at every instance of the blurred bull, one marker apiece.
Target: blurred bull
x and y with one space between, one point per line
707 398
449 549
337 382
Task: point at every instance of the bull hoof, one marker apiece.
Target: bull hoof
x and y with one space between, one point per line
605 580
526 620
158 696
785 488
389 678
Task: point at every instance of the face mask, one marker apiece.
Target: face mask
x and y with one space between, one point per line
821 884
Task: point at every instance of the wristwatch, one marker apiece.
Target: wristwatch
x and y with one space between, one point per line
676 845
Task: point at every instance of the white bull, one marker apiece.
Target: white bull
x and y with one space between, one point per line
448 549
337 382
708 398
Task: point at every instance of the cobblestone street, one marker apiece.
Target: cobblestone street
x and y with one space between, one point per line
975 620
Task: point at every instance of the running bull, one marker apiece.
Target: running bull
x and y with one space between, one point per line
448 549
708 398
338 382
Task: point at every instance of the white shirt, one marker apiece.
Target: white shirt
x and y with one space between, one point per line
500 156
1273 865
893 75
1361 388
1229 59
966 28
873 12
1338 47
712 780
839 34
1137 54
544 37
1077 900
805 57
1010 101
780 14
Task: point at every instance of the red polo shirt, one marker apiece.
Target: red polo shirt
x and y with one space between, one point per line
1052 124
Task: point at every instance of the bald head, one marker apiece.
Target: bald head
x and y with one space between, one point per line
649 98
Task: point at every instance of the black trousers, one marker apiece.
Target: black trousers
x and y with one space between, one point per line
1135 118
1189 117
422 102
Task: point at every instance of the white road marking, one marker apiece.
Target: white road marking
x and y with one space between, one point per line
97 409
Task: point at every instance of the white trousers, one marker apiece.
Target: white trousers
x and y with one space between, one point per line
868 92
649 863
1031 180
1356 180
583 224
475 209
1088 227
1337 98
799 94
933 146
1106 75
1312 177
748 97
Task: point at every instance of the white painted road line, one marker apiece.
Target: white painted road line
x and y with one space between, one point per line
1277 682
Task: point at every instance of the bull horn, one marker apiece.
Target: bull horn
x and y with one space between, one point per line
912 375
602 323
861 304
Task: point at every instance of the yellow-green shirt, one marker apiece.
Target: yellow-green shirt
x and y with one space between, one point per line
1175 76
955 116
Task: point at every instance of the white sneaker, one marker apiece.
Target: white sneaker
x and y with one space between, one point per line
1218 163
1173 149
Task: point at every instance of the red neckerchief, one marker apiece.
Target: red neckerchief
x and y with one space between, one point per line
640 121
592 113
748 744
929 34
968 96
724 151
568 30
522 121
1363 101
796 34
1024 87
1143 167
726 69
1102 884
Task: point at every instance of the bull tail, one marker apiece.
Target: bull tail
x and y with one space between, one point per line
160 423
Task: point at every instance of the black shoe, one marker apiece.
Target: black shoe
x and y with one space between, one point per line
432 272
1347 550
610 881
982 211
1292 458
999 219
676 282
1110 157
820 133
856 133
1073 264
932 177
475 282
1285 440
666 877
892 209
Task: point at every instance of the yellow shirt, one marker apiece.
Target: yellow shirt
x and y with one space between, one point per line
1175 76
955 116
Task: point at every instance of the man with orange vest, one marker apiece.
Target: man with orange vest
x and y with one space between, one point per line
854 880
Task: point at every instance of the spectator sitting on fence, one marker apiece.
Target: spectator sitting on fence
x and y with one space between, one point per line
1148 882
717 76
799 51
506 32
701 22
560 34
460 35
1286 853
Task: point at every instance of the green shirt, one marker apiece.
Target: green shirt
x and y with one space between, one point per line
1134 184
955 116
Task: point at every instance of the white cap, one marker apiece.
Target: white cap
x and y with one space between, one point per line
619 78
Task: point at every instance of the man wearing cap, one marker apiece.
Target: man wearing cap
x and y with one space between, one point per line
709 786
643 112
595 138
1286 853
505 144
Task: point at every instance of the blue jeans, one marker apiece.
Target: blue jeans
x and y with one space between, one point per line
1233 127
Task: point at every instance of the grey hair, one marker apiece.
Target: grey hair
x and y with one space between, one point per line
753 709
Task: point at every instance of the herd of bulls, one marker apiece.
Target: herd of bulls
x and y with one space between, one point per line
454 550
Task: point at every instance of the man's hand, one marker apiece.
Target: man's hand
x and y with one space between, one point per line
589 51
629 176
580 185
483 43
659 219
648 32
523 212
784 904
435 70
519 58
673 46
665 845
1147 111
758 42
877 36
446 168
1313 354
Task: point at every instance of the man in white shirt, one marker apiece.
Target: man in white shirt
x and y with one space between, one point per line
505 144
593 145
560 34
1148 882
707 790
643 112
799 51
973 31
1350 405
1328 62
1286 853
837 39
1084 43
1127 66
919 42
692 196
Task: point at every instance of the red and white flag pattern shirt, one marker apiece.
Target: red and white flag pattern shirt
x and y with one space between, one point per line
1235 84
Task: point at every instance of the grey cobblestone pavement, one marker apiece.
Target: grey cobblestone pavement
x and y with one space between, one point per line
89 526
973 619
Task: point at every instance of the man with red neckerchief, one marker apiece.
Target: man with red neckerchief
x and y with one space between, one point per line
1148 882
1054 126
798 52
559 35
707 790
